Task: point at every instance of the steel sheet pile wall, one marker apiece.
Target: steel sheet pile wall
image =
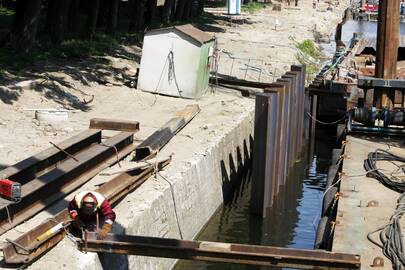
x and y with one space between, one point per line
280 131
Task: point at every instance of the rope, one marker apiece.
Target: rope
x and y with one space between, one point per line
116 152
156 172
325 123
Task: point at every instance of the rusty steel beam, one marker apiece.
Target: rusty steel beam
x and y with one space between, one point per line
114 124
162 136
114 190
219 252
29 168
60 181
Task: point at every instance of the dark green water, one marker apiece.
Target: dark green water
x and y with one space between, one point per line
291 222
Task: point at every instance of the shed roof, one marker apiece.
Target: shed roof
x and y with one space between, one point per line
189 30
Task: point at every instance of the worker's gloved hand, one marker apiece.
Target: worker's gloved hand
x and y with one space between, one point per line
104 231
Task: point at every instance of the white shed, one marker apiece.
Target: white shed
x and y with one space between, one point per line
176 61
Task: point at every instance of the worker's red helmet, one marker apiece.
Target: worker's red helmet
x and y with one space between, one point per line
89 204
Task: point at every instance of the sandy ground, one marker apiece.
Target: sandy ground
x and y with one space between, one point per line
72 84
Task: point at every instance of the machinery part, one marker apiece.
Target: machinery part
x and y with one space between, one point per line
219 252
369 116
113 190
366 116
10 190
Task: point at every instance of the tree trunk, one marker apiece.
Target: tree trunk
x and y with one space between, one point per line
73 21
56 19
92 18
187 10
181 4
167 11
194 9
201 4
138 16
112 18
25 25
150 17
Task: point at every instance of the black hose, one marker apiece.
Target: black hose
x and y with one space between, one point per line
371 168
391 234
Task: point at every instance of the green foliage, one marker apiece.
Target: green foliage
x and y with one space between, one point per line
308 47
252 7
308 56
6 17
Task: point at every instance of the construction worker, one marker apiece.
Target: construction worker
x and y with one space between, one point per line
90 210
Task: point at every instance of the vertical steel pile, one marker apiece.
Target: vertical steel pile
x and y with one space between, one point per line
280 132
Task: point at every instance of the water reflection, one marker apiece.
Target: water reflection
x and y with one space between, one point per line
290 223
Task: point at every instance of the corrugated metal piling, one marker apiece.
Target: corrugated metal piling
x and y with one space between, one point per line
279 136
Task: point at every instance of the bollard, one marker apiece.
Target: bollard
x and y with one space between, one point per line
262 192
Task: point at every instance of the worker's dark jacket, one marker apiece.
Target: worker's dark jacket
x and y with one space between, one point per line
103 209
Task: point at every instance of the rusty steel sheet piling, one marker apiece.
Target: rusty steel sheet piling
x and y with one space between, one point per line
301 103
281 144
114 190
219 252
290 86
264 153
57 182
296 113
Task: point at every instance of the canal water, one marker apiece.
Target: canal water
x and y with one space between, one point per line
293 220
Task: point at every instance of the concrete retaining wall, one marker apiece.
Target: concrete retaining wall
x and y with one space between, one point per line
195 192
179 201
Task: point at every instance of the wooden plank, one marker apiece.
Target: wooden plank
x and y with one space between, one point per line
114 124
29 168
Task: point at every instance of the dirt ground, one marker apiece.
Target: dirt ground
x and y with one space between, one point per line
72 85
97 87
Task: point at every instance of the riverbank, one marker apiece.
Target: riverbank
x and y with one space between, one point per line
207 152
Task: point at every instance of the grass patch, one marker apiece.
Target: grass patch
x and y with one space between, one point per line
308 47
309 56
253 7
